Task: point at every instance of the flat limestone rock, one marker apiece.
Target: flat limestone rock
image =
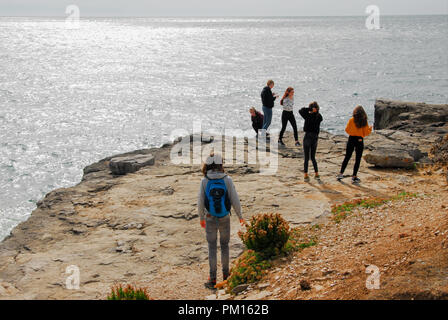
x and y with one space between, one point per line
259 295
7 289
126 228
130 164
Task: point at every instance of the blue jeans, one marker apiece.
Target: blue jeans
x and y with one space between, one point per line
267 117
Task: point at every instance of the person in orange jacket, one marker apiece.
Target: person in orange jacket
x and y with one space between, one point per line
357 128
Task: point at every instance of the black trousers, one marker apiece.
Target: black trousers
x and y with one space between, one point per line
354 144
310 147
257 126
288 116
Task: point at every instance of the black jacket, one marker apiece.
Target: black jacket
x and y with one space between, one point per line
267 99
257 121
312 120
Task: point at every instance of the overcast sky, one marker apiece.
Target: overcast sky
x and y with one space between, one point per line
220 7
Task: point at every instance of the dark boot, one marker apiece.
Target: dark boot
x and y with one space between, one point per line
210 284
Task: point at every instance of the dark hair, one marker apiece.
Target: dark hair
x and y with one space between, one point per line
213 166
360 117
314 105
287 92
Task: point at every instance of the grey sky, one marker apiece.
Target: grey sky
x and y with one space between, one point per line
220 7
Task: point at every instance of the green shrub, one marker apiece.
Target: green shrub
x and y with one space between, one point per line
118 292
248 268
266 234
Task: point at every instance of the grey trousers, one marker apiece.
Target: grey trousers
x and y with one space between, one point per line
213 225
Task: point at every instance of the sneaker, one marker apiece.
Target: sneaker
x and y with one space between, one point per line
339 177
297 144
306 179
280 142
356 180
210 284
317 177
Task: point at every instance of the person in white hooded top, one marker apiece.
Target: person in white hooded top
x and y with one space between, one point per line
217 195
288 116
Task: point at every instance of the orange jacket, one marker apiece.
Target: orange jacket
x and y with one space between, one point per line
353 130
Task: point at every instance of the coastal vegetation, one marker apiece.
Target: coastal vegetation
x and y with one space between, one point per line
267 237
341 211
128 292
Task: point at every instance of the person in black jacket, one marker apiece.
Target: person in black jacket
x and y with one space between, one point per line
267 99
312 128
257 119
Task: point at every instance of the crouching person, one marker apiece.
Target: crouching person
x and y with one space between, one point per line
257 119
217 195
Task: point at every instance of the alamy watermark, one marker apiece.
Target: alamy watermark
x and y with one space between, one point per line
73 280
373 280
233 144
373 20
72 20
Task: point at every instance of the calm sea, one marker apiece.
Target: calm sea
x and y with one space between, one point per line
71 97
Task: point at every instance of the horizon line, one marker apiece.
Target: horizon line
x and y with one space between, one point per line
222 16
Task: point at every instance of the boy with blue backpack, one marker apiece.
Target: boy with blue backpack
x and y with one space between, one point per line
217 195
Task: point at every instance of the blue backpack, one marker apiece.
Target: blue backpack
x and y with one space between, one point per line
217 200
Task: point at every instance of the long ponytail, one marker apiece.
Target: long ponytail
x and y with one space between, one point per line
287 92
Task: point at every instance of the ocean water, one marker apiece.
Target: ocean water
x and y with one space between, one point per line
69 98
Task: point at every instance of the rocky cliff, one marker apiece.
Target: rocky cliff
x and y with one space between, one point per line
143 228
404 133
422 118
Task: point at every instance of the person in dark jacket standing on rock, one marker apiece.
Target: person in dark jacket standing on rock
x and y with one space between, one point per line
217 195
267 100
357 128
312 128
257 119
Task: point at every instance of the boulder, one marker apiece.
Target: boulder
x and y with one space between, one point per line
130 164
395 149
390 158
101 170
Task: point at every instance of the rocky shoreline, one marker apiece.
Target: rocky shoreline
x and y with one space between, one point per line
141 227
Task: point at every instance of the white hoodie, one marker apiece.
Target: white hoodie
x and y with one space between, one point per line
233 195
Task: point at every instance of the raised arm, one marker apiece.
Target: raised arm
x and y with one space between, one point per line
304 112
320 118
